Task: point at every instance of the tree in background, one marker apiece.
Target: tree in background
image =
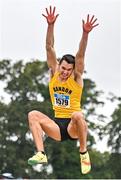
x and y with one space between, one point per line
113 129
27 87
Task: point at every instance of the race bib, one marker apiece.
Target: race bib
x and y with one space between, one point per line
61 100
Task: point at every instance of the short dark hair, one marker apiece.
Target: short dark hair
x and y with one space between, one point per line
70 59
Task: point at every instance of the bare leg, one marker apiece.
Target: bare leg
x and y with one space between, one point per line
36 131
78 128
38 122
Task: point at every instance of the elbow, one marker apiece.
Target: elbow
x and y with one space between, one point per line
49 47
80 55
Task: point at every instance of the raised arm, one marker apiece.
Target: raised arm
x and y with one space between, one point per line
79 59
51 55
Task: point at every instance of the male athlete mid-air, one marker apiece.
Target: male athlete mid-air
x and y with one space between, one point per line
65 87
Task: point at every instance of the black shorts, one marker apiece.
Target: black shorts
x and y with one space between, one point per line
63 124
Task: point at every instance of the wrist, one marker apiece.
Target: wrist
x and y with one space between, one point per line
85 33
51 24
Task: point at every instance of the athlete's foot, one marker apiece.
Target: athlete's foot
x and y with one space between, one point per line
38 158
85 163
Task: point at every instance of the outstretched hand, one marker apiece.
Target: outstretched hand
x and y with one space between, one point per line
89 24
50 17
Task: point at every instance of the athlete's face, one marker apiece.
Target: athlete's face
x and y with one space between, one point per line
65 70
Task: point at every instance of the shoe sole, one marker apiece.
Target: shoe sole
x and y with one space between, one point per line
36 162
86 172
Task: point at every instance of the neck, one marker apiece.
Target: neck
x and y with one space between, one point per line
62 79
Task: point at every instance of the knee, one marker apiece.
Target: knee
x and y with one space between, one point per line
33 116
79 117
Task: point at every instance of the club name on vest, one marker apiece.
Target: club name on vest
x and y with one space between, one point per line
63 89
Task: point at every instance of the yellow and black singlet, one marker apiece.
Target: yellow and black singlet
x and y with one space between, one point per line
65 96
